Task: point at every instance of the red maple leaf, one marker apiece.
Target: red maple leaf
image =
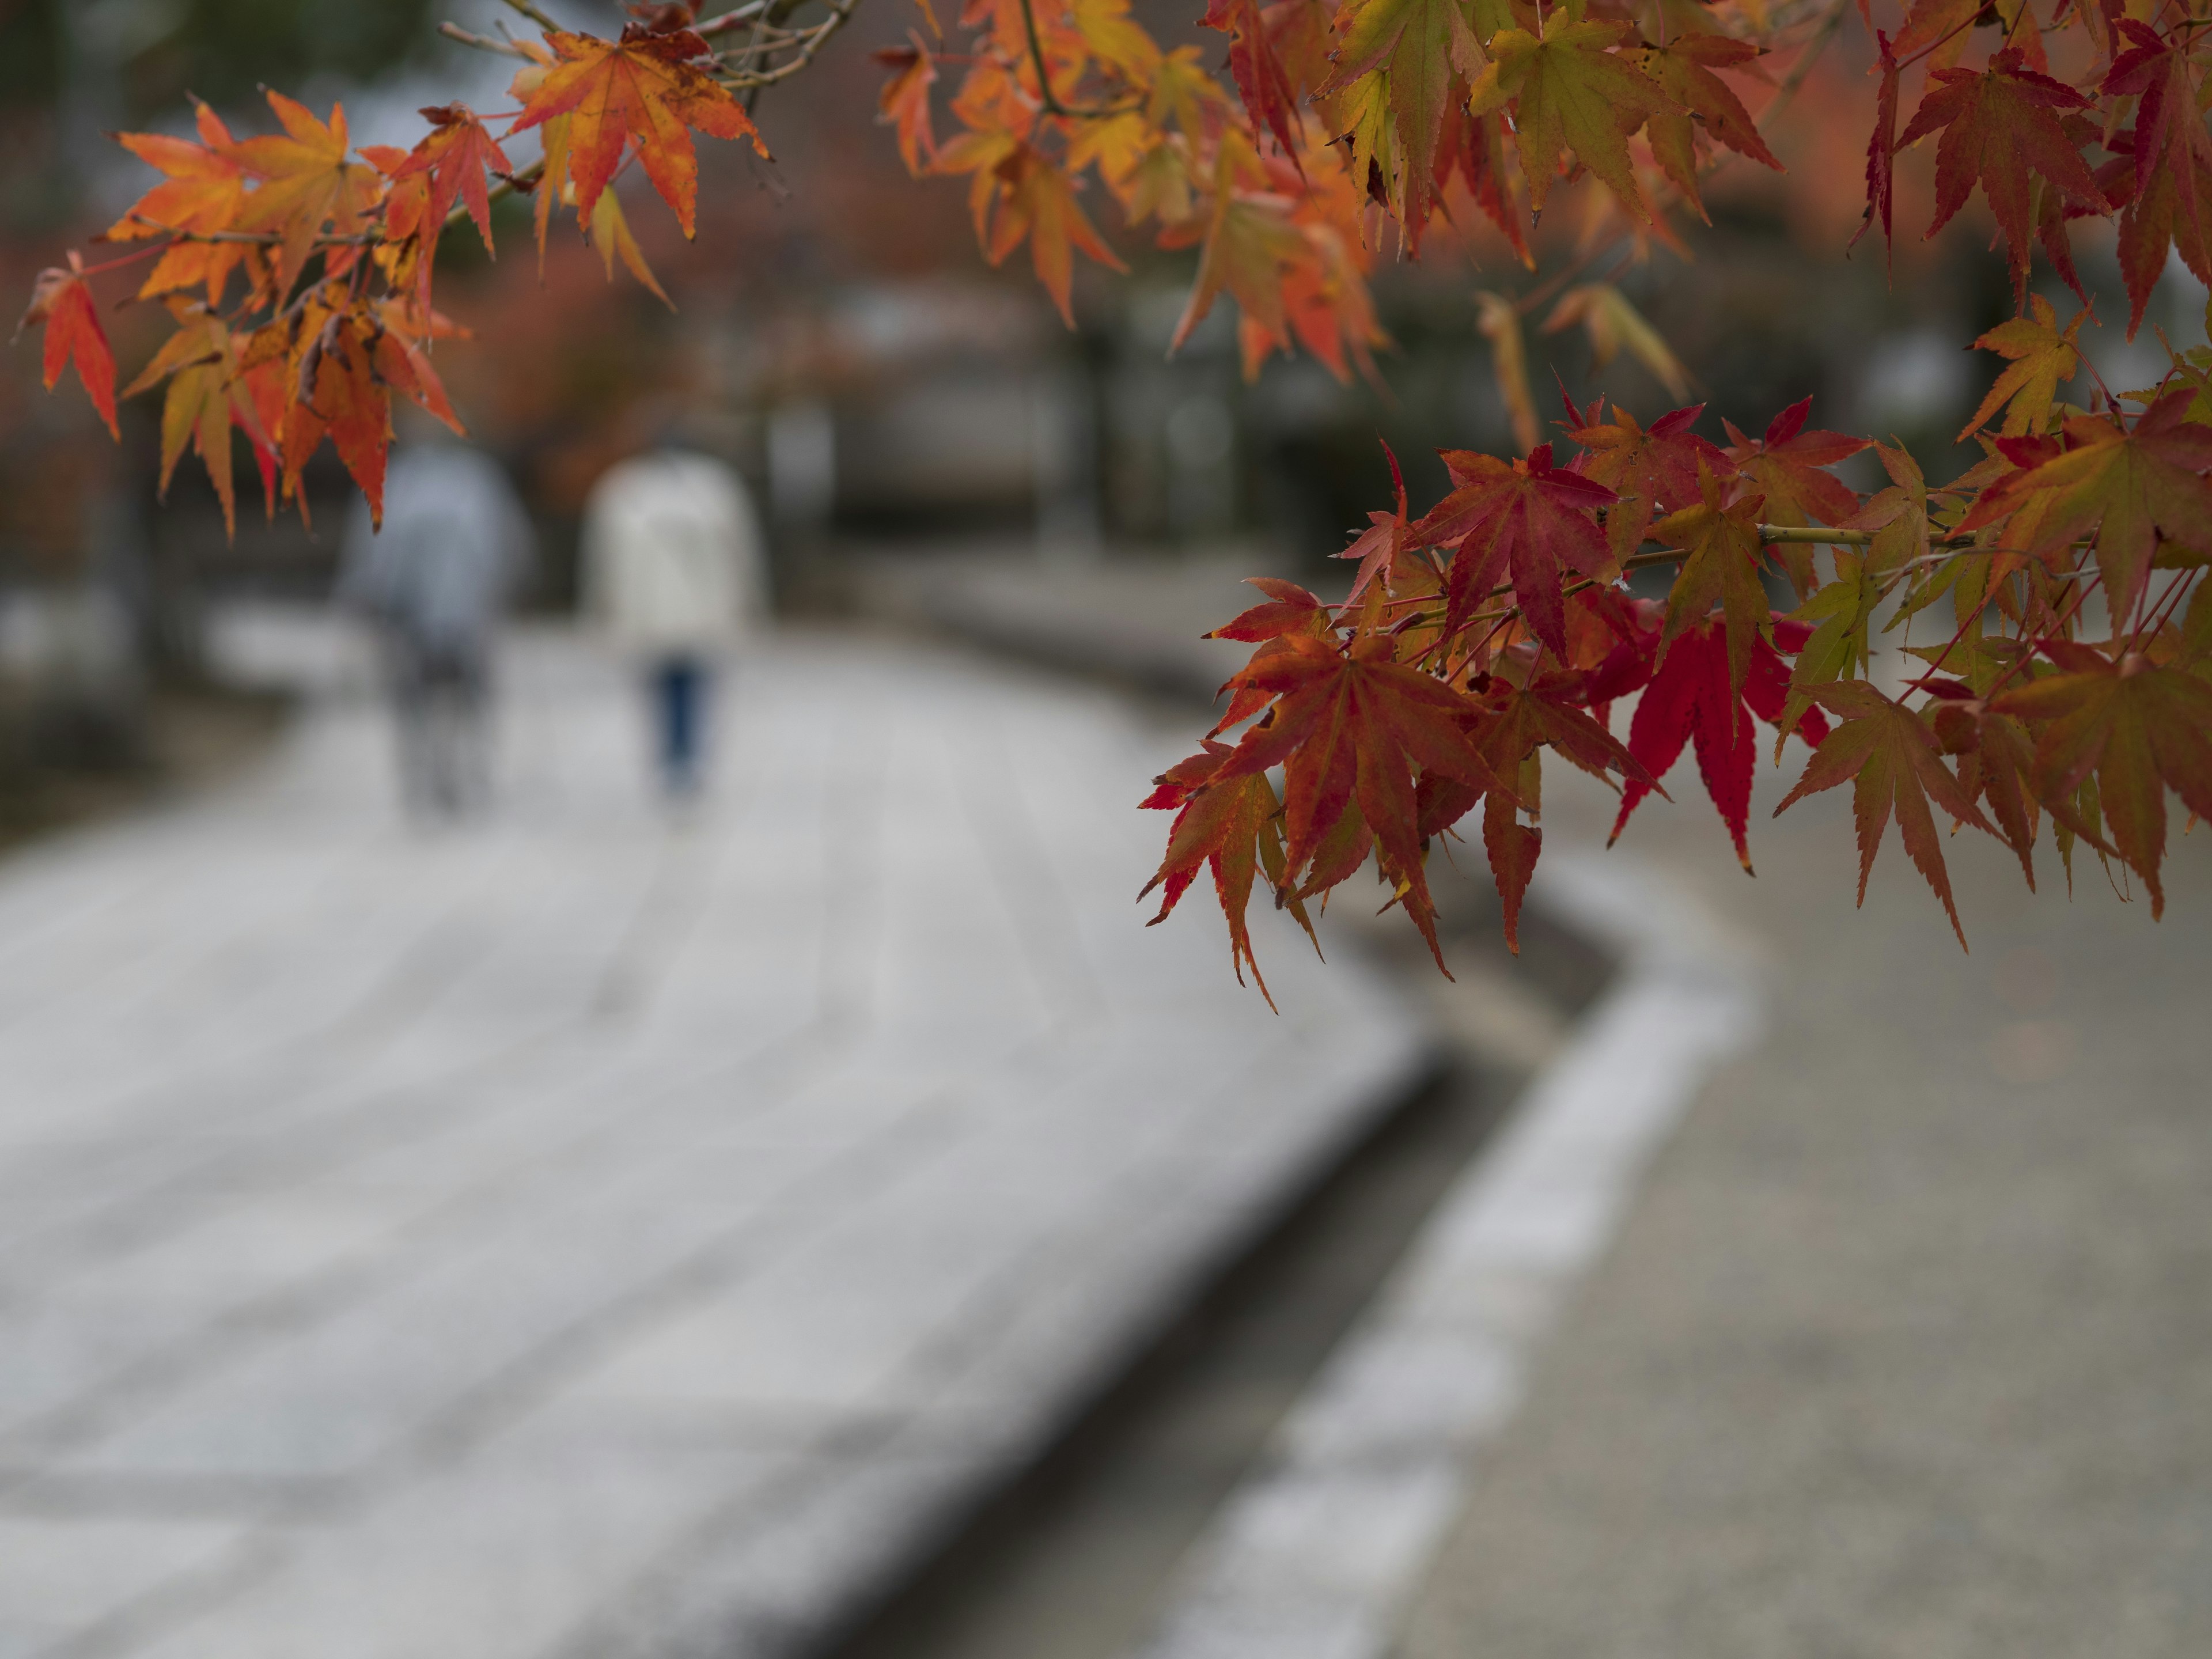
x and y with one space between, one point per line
1530 516
2172 159
63 303
1260 78
1349 729
1689 699
1656 465
1999 125
1789 466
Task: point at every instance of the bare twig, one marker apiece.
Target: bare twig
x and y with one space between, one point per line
808 42
711 27
481 42
529 10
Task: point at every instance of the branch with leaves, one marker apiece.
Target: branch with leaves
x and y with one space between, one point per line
1496 626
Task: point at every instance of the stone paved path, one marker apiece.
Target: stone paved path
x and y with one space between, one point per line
588 1235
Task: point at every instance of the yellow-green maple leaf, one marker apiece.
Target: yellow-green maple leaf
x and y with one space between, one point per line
1571 90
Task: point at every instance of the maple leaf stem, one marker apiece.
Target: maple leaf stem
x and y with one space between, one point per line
122 260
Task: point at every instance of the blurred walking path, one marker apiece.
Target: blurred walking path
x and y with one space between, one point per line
1906 1346
582 1233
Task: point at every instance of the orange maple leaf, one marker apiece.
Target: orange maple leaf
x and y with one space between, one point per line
1020 194
904 101
448 165
308 186
62 302
206 397
644 86
200 193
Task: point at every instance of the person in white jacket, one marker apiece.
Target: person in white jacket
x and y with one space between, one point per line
673 572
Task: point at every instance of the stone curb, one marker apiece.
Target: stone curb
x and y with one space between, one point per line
1320 1553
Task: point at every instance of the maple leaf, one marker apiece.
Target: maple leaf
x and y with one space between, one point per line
643 86
1353 726
904 101
2173 150
2142 729
1654 470
1683 70
1387 536
1534 713
1031 198
308 187
346 363
1723 570
1571 90
1408 52
610 235
1499 321
200 193
1885 752
1474 147
1528 515
1232 827
1689 698
451 163
1115 38
1998 126
1789 465
62 302
1186 95
2130 486
1613 324
206 397
2042 357
1512 848
1250 237
1290 610
1882 156
1262 80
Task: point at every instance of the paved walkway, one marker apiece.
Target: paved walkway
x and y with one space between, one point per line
582 1234
1904 1351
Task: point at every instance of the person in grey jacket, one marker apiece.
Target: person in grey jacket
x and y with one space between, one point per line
434 582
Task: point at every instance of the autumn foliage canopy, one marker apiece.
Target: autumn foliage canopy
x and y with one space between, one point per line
1496 627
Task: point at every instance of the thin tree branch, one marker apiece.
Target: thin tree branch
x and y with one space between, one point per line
481 42
529 10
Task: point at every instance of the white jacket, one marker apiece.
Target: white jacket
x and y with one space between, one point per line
671 556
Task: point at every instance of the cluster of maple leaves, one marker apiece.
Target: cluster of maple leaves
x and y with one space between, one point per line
298 269
1497 625
1494 628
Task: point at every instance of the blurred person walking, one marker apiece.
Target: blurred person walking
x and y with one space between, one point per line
673 571
433 583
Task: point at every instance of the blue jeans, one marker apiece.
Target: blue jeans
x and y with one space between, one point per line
679 694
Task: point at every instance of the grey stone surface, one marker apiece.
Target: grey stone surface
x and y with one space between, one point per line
1904 1351
588 1230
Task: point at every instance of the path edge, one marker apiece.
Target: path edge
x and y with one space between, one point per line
1320 1553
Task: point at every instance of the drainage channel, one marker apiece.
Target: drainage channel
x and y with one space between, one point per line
1075 1559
